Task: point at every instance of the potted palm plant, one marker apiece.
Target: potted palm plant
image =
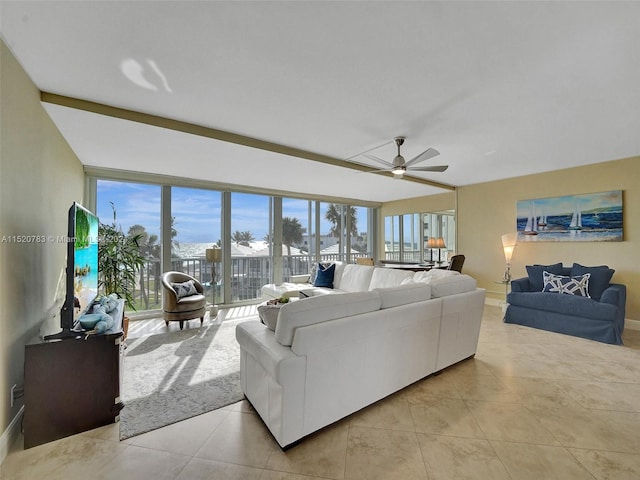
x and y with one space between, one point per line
119 261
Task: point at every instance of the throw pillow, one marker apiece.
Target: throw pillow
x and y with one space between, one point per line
571 285
324 275
535 274
184 289
313 272
600 278
110 302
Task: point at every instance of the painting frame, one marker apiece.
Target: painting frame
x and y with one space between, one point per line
589 217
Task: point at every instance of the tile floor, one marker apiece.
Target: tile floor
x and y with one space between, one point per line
530 405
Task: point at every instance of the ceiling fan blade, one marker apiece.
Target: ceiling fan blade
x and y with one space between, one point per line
426 155
375 171
379 160
370 150
435 168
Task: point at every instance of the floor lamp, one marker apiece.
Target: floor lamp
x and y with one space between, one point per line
508 244
214 255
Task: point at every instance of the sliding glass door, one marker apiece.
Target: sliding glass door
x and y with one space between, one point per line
251 245
411 238
196 227
135 209
263 238
392 240
297 236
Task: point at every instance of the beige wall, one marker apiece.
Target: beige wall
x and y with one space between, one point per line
431 203
486 211
40 177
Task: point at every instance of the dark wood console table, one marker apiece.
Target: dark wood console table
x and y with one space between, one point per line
414 267
72 385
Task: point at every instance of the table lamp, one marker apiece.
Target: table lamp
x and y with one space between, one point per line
509 241
440 245
431 244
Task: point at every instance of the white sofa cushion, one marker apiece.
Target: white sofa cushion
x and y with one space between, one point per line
305 278
321 308
451 285
337 275
402 295
354 278
434 273
384 277
314 291
287 289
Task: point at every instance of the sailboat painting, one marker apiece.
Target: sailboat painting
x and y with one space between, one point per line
593 217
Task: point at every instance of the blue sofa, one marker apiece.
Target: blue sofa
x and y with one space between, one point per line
597 316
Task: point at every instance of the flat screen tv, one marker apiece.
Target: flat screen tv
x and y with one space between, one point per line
81 270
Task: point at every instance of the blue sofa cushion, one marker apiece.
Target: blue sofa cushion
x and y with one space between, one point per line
573 305
599 280
535 274
578 285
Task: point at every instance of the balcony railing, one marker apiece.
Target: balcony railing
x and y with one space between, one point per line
248 275
408 256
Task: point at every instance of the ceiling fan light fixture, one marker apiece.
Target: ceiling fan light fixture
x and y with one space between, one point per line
398 167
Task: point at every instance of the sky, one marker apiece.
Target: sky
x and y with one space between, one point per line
197 212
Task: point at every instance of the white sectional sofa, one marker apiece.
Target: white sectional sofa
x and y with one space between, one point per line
286 289
333 354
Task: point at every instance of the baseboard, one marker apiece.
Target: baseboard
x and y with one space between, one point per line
11 434
632 324
493 302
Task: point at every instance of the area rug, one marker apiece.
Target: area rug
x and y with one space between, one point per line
174 376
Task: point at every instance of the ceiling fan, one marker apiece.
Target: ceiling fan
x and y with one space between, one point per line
399 166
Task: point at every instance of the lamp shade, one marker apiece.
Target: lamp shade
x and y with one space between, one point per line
509 241
440 243
431 243
214 255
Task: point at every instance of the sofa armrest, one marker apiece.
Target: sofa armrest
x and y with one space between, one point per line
521 285
169 296
616 294
278 361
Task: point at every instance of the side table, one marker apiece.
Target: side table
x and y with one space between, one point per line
506 284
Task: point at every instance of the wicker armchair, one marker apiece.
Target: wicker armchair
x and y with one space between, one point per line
365 261
183 308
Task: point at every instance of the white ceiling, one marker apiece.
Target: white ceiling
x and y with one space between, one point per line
501 89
